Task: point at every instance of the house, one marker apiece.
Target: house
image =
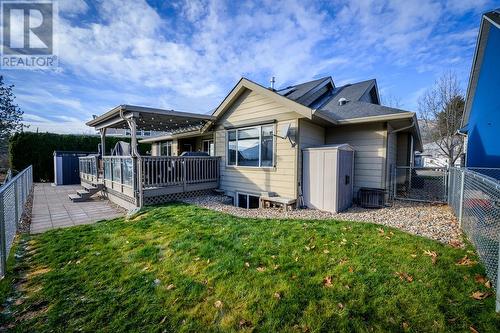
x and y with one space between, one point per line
244 139
481 120
433 157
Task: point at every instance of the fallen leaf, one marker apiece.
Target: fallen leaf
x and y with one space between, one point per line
308 248
245 323
327 282
208 261
247 264
277 295
218 304
480 279
413 255
473 330
197 259
325 251
466 261
163 320
405 325
431 254
487 284
381 231
170 287
404 276
261 269
351 269
479 295
276 267
343 261
341 306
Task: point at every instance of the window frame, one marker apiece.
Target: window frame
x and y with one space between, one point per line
248 195
169 144
211 153
260 166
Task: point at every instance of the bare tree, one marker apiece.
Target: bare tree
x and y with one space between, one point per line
391 101
441 108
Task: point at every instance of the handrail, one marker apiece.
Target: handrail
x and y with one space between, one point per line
163 171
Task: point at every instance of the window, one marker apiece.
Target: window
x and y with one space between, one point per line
248 201
208 147
166 148
251 146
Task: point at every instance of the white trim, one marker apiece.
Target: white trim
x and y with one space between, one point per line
260 166
377 118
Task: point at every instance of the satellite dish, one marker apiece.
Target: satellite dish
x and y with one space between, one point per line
285 131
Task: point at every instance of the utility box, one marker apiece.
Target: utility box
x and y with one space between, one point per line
66 167
327 177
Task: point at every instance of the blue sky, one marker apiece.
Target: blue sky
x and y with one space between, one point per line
187 55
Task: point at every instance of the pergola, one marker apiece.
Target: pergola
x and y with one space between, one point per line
149 119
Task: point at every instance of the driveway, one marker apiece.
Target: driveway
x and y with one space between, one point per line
53 209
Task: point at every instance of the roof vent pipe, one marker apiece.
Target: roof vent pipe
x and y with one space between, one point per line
273 80
343 101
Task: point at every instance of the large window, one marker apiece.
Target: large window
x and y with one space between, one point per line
251 146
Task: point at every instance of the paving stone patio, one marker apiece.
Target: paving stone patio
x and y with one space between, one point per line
53 209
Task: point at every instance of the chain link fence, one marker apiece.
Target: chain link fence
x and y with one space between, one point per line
420 184
13 197
475 200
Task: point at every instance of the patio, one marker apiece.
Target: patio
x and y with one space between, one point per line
52 209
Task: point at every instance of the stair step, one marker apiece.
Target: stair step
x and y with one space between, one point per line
76 198
89 187
84 193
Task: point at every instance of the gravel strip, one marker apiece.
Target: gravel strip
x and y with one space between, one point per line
429 220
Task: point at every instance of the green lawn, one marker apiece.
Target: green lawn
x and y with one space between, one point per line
182 268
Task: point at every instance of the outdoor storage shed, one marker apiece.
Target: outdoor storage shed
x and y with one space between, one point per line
328 177
66 168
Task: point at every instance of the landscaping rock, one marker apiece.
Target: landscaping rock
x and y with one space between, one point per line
435 221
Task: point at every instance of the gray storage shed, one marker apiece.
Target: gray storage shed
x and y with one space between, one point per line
328 177
66 167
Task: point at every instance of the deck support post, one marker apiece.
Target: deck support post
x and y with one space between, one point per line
136 159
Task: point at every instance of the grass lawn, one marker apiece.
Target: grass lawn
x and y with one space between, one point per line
183 268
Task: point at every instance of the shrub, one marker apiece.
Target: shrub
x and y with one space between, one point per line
37 149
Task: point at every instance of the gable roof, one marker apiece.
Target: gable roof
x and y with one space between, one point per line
244 84
489 20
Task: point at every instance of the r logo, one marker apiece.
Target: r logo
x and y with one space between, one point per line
27 28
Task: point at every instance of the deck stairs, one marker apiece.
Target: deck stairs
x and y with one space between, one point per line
87 191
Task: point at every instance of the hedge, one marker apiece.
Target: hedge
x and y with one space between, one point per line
37 149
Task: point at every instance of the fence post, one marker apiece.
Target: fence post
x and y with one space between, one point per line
184 174
3 243
462 183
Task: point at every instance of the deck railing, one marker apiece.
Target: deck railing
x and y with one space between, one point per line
119 169
89 168
162 171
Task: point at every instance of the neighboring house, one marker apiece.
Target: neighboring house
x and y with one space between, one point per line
244 127
481 121
432 156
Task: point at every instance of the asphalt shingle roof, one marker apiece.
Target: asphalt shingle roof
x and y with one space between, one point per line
328 104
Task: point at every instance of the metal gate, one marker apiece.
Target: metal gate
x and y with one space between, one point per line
420 184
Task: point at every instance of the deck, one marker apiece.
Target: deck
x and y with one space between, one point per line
146 180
